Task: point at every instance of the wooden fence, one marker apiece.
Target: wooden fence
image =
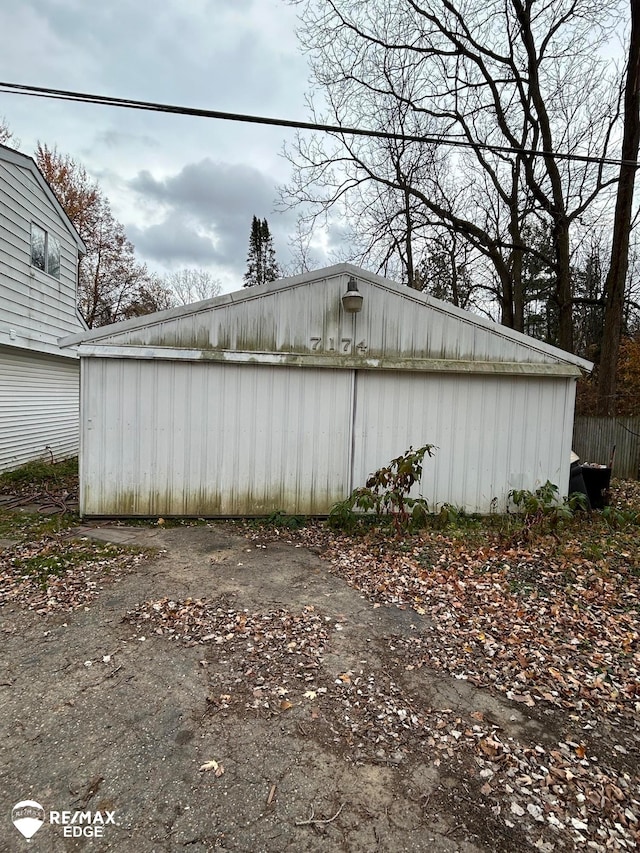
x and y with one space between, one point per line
594 438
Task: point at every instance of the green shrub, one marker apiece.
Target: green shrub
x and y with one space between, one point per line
544 505
386 494
452 516
545 500
619 519
342 517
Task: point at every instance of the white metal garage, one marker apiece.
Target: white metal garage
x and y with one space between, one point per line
276 398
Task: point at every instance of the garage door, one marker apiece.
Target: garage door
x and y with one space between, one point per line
184 438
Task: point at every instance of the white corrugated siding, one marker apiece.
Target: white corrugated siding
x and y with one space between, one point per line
181 438
175 438
493 434
38 407
305 317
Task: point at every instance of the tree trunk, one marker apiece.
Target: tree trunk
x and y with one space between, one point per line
563 284
506 300
517 289
409 240
614 287
455 293
517 257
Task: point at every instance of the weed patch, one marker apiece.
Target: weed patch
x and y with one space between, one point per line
41 474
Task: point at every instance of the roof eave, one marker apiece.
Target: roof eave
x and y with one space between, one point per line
294 359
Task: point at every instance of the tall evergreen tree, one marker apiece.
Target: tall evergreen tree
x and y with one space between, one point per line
261 260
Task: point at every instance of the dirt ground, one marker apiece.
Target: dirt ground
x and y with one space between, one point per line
104 712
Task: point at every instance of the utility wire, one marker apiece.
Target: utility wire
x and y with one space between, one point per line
126 103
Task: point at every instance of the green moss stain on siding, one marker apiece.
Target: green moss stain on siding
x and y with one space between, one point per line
155 502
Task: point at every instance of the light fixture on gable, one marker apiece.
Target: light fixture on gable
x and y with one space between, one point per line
352 299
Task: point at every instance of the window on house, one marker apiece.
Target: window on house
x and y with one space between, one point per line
38 247
45 251
53 256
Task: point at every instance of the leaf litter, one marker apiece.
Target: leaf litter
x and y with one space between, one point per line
56 572
549 622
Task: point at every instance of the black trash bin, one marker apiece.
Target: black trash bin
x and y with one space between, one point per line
576 480
597 479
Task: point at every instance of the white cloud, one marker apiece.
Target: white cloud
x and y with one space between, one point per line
201 216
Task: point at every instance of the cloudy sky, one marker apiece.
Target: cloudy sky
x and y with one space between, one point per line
185 188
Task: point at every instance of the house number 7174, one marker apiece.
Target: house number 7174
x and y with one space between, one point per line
337 344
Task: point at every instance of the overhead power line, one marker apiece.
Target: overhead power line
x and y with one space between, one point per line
127 103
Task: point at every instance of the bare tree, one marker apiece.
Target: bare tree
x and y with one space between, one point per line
615 284
192 285
302 257
512 81
152 295
7 136
445 271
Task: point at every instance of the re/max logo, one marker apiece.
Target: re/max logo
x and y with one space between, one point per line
82 824
83 817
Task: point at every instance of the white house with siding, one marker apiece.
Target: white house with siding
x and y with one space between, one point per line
283 397
39 382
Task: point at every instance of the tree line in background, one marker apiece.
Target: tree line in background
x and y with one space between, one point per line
496 222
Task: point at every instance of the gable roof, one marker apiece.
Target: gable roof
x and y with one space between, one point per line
16 158
300 320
